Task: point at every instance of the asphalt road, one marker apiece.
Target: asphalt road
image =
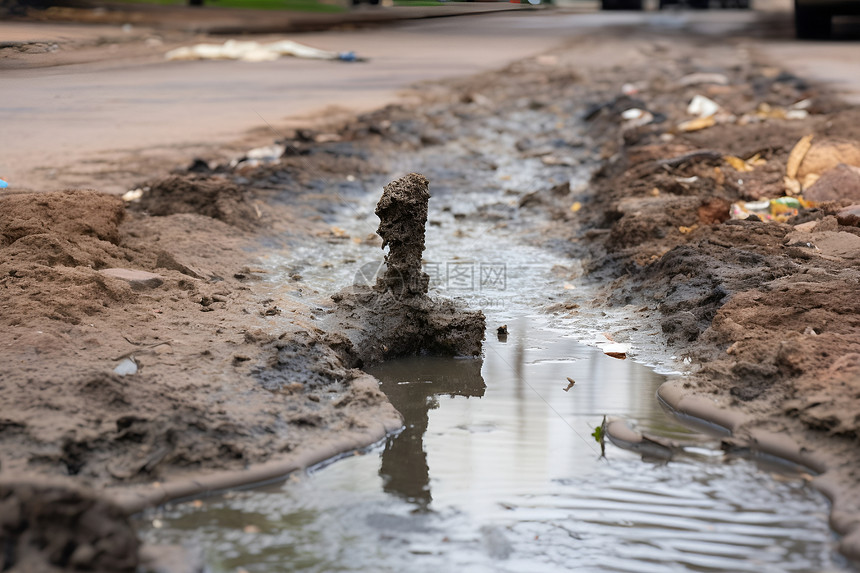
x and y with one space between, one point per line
105 124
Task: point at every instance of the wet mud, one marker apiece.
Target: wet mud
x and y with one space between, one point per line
236 369
395 316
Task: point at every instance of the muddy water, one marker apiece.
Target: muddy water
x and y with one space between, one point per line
496 468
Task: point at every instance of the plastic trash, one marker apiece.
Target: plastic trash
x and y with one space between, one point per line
3 184
772 210
700 106
703 78
126 367
635 117
257 52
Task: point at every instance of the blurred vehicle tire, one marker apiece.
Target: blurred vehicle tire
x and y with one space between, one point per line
621 4
811 20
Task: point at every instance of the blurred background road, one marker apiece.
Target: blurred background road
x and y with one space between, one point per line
98 106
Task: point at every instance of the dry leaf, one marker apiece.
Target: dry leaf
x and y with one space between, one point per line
795 158
737 163
792 186
697 124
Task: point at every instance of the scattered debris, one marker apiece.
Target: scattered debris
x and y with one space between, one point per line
702 107
3 184
599 435
699 78
570 383
778 210
127 367
502 333
256 52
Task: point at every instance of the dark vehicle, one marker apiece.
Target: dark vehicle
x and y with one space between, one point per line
814 18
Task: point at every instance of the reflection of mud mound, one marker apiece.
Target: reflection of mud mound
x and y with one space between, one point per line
49 526
412 386
208 196
395 317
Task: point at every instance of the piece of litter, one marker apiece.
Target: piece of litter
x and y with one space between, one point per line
618 355
570 383
256 52
3 184
703 78
701 106
126 367
133 195
633 113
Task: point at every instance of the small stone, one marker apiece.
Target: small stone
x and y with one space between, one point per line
841 182
139 280
849 216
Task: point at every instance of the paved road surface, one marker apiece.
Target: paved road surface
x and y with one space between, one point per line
71 125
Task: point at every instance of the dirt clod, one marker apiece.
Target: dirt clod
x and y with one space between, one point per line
396 317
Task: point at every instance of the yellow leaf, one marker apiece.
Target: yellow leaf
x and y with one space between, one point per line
792 185
697 124
795 158
576 206
737 163
810 180
756 160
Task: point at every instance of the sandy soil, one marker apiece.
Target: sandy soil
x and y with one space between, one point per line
235 371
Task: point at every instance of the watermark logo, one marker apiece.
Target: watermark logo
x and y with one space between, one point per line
481 284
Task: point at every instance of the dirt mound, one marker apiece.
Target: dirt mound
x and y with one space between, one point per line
50 527
213 197
395 317
51 247
67 213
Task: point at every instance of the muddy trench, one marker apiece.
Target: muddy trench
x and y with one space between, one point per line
497 467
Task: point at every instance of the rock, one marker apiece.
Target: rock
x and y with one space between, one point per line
840 182
168 261
849 216
54 525
826 154
139 280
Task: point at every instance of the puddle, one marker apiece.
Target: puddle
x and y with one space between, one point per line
496 470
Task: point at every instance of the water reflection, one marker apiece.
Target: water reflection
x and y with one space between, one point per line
496 472
413 388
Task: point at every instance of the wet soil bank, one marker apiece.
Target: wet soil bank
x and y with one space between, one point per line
223 370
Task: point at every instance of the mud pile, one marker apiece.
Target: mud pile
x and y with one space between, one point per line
395 317
52 526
